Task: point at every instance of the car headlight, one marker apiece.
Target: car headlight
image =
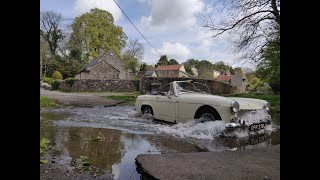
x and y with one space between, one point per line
234 106
266 106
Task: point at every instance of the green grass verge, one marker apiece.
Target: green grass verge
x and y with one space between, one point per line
46 102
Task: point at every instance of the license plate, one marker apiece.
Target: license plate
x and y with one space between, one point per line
255 127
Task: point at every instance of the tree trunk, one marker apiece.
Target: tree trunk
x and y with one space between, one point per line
275 11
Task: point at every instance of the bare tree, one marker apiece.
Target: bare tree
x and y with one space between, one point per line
255 22
135 49
44 54
50 30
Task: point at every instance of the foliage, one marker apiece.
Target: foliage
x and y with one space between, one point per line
70 67
269 67
256 85
130 62
95 30
70 81
48 80
56 84
163 60
189 63
136 84
46 102
56 75
44 146
83 163
173 62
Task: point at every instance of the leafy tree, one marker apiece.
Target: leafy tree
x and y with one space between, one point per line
95 31
256 22
144 67
50 30
191 63
163 60
173 62
269 67
130 62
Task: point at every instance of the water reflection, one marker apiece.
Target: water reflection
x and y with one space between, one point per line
113 151
133 146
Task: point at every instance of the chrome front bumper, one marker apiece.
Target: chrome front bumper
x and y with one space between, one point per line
241 124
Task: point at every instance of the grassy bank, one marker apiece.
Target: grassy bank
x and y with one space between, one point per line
46 102
273 99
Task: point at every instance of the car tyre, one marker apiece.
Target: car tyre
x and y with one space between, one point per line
207 114
147 110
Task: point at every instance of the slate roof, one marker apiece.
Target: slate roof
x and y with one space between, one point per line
149 73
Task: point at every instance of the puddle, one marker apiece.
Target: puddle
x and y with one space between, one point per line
111 138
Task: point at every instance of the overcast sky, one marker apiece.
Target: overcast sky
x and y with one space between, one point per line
169 25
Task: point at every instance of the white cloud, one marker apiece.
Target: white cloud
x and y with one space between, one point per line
83 6
176 51
171 14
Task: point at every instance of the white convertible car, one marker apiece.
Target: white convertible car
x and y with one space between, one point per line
181 101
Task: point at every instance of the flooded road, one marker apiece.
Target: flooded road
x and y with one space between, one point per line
104 142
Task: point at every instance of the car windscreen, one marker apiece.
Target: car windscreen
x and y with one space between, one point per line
192 87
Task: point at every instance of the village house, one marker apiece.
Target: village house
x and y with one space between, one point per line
108 65
236 80
177 70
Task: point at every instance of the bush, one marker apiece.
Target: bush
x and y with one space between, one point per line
56 75
70 81
275 85
48 80
136 84
55 85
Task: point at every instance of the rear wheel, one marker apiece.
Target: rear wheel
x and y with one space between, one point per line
147 110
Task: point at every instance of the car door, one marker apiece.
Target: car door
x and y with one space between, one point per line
166 106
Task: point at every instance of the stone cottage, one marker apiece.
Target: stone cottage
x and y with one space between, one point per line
236 80
108 65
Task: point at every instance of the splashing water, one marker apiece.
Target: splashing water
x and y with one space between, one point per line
126 118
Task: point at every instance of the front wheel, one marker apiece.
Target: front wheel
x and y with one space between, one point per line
147 110
207 114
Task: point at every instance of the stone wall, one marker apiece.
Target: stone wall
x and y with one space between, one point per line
94 85
217 87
